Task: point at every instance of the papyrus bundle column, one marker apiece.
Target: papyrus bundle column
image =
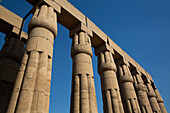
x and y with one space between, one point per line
83 97
32 89
10 60
128 93
160 101
110 89
141 91
152 98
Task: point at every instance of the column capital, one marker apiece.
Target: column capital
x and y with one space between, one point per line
81 43
102 48
44 17
80 27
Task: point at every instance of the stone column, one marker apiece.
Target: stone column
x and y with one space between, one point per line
160 101
110 89
141 91
32 89
83 97
128 93
152 98
10 60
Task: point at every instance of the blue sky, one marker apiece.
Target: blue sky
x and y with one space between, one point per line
139 27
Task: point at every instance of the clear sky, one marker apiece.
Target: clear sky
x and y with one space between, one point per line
139 27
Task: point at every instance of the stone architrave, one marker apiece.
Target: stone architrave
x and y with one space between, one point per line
160 101
32 89
152 98
110 89
128 94
83 96
10 61
141 92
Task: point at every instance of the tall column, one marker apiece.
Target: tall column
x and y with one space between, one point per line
152 98
83 97
32 89
110 89
160 101
10 61
128 93
141 92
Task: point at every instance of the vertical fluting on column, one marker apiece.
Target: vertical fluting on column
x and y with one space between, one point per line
10 61
110 89
83 97
128 93
151 95
32 89
141 92
160 101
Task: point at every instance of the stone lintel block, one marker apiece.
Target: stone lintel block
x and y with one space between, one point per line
80 27
51 3
102 48
136 71
96 30
8 20
24 35
122 61
10 17
129 58
71 9
114 46
54 5
149 76
140 69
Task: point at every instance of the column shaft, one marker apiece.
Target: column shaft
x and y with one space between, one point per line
83 97
10 61
110 89
34 81
128 94
152 99
141 92
160 101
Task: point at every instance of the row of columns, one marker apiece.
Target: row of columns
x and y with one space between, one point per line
137 96
123 90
